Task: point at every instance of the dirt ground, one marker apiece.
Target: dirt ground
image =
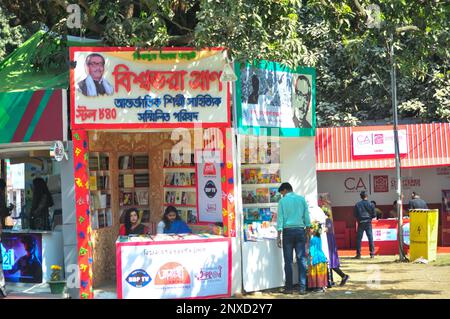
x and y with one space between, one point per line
382 277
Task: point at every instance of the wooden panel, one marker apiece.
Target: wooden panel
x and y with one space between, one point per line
154 145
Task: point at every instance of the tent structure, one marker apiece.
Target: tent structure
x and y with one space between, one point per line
33 103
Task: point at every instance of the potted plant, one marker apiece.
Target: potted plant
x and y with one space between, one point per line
57 285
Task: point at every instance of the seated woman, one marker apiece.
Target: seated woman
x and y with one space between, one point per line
172 223
132 224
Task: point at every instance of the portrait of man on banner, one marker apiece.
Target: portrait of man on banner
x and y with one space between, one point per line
301 101
95 83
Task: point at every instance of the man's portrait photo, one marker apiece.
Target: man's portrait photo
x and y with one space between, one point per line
301 102
95 84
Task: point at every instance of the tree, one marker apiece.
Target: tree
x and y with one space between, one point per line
10 37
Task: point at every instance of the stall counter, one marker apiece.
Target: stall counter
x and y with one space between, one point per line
385 237
173 266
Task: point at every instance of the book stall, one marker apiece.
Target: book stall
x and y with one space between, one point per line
159 136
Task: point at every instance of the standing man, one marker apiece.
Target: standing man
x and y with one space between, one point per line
416 202
95 84
292 219
364 212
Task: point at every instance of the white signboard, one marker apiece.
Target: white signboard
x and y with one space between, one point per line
373 143
181 269
209 188
382 234
119 87
18 176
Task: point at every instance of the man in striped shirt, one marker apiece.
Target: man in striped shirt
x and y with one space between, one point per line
292 220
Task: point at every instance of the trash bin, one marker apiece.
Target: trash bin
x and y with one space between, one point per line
423 233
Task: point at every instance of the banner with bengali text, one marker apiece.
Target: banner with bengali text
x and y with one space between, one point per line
126 88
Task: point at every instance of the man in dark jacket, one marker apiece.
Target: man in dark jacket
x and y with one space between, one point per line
364 212
416 202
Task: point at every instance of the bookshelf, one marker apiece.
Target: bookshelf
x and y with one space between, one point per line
134 184
180 188
260 175
100 190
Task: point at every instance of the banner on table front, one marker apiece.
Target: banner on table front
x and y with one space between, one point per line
389 234
175 270
209 186
277 98
120 87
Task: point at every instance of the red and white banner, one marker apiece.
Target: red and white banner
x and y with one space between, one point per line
378 143
123 88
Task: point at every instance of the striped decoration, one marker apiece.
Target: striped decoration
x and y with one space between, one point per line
28 116
428 146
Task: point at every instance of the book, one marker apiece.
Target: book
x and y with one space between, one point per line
249 197
265 214
95 201
141 180
93 163
101 219
250 176
192 176
94 219
128 181
142 197
109 220
104 162
184 215
93 183
170 197
178 197
274 195
252 214
192 216
103 200
145 216
262 195
126 199
140 162
125 162
184 198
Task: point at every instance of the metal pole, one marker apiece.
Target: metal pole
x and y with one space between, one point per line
397 155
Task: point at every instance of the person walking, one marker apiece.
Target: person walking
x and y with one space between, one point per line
333 260
292 219
364 212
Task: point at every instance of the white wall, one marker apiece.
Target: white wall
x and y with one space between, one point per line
298 164
344 188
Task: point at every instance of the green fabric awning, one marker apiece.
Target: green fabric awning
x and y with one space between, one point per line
17 73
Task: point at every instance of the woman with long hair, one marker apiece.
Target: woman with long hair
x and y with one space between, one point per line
42 200
172 223
132 224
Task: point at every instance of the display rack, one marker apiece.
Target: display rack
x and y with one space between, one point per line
134 184
260 175
180 189
100 190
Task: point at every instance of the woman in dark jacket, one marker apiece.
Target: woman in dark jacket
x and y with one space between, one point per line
42 200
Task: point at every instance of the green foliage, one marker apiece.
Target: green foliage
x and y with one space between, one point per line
10 37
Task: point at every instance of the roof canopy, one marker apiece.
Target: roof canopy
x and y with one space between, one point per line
428 145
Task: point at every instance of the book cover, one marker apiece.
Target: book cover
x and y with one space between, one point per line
262 195
192 216
249 197
126 199
266 214
252 214
184 198
191 198
142 197
93 183
170 197
104 162
274 195
178 197
128 181
192 176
